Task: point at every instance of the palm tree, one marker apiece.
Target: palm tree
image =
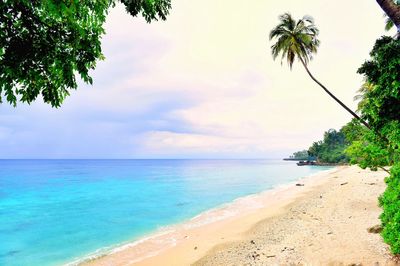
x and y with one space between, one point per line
299 39
367 87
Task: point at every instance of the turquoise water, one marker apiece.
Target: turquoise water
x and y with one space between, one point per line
55 211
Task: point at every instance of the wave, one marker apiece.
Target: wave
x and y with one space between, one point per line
168 236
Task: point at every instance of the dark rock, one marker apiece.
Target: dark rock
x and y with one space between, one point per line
195 248
345 183
287 248
299 185
252 242
375 229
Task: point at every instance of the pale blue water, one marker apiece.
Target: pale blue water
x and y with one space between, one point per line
54 211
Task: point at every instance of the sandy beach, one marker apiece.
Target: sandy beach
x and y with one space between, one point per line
319 220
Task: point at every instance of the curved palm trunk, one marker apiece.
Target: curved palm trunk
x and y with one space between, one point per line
392 10
333 96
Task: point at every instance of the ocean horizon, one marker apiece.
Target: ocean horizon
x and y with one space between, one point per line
58 211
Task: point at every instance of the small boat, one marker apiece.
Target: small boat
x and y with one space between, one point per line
302 163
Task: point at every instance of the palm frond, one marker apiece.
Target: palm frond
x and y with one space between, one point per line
294 39
388 24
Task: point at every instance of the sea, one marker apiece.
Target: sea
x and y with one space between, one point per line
55 212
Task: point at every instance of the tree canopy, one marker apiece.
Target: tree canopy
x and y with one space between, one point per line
45 45
331 148
300 155
381 103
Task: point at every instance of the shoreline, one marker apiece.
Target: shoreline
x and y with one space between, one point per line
328 225
169 237
322 221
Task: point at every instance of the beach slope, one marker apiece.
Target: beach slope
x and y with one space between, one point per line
323 220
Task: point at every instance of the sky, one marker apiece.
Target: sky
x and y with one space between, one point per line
202 85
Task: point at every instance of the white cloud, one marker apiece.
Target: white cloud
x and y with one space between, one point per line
203 83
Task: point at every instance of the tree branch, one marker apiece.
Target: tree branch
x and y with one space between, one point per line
384 169
392 10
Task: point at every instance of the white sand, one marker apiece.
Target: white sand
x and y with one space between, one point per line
323 222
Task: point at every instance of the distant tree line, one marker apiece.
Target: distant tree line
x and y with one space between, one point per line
334 144
299 155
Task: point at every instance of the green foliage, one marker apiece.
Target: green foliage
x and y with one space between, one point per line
380 105
368 154
150 9
300 155
295 39
388 23
44 45
390 203
331 148
353 131
366 148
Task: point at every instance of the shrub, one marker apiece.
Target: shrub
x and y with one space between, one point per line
390 203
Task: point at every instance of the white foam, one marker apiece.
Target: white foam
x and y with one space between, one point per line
166 237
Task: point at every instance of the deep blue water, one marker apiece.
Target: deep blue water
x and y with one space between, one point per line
54 211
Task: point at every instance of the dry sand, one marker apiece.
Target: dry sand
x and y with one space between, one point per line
324 222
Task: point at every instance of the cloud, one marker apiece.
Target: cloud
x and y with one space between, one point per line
201 84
